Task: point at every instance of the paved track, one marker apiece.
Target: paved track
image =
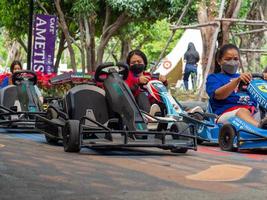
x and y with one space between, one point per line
32 169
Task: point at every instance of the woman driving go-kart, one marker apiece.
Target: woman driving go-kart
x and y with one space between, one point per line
236 108
222 88
138 77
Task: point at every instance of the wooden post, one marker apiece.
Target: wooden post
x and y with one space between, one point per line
243 21
261 51
211 23
251 32
211 53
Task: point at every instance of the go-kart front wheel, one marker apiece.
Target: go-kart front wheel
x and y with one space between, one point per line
50 140
72 136
179 150
226 138
180 126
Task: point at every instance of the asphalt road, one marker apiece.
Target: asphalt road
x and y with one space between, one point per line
32 169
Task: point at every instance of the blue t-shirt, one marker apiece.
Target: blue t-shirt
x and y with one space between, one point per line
215 81
4 83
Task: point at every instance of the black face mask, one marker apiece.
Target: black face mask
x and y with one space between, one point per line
137 68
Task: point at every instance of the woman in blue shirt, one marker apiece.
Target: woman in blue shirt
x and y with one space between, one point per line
222 88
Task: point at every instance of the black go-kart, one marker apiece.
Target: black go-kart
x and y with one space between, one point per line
19 103
89 116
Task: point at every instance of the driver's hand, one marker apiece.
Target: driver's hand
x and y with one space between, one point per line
265 76
162 78
144 79
245 77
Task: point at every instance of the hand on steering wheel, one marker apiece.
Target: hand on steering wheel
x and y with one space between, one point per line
246 78
21 75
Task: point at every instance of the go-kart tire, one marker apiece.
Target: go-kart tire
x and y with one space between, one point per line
71 136
226 138
177 127
50 140
179 150
199 141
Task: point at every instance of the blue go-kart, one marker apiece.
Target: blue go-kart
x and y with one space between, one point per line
208 130
237 134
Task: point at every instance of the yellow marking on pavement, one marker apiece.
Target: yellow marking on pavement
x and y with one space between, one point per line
223 172
1 145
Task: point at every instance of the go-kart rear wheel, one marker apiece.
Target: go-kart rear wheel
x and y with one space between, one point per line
199 141
71 136
51 140
180 126
226 138
179 150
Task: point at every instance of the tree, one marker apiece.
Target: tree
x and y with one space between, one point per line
106 18
65 30
257 11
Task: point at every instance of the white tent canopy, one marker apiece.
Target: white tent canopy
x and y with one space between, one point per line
175 57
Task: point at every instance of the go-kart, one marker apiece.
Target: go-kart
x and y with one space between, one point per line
237 134
19 103
208 130
89 116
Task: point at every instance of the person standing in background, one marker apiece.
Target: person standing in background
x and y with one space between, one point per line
191 57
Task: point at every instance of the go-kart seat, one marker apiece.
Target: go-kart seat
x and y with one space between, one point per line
210 110
9 97
86 100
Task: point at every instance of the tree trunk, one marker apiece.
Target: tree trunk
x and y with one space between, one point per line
13 53
25 48
66 34
125 48
205 15
231 12
59 52
108 33
256 40
87 44
83 43
92 45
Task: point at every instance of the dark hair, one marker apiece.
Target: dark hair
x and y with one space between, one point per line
136 52
220 53
15 62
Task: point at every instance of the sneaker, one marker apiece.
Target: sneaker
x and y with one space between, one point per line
263 123
154 109
196 109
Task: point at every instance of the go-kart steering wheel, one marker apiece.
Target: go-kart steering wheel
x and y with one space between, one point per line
242 85
105 69
19 76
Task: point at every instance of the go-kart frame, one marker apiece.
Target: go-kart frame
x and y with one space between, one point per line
73 132
12 120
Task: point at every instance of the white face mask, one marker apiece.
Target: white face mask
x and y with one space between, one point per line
230 66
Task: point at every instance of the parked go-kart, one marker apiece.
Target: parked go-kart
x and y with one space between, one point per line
240 135
94 117
19 103
208 130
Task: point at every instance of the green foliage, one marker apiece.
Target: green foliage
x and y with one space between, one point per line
158 35
3 51
245 7
142 9
14 16
84 7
